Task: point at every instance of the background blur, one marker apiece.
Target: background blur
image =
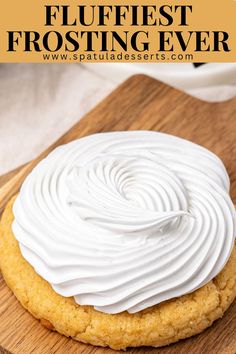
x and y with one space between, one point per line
40 102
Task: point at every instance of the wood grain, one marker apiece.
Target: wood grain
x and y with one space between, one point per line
140 103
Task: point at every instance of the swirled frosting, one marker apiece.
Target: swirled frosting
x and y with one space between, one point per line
126 220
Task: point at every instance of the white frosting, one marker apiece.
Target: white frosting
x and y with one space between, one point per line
126 220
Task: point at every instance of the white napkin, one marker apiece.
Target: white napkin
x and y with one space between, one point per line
39 103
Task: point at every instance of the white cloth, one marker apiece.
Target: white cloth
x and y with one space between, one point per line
39 103
212 82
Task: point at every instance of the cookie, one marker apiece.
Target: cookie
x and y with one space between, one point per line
156 326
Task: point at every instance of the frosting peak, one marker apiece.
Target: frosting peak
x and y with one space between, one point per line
126 220
127 193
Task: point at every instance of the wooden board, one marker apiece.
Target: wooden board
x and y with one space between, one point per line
140 103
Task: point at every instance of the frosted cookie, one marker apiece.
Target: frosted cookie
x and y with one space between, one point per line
123 239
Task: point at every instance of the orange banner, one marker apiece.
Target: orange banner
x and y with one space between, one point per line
118 31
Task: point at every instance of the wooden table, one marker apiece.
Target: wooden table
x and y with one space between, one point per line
140 103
